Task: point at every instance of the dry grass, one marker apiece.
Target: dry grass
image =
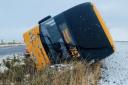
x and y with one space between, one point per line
78 73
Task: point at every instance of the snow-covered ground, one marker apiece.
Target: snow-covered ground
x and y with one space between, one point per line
115 67
5 57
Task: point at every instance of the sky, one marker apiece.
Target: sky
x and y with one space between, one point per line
17 16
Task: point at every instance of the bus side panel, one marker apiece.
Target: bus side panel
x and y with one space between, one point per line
35 48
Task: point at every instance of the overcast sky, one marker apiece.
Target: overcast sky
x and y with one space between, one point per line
17 16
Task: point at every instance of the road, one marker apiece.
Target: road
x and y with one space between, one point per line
19 49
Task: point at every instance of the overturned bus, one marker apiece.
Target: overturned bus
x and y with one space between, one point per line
79 32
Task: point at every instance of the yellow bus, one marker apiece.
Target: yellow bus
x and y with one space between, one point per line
78 32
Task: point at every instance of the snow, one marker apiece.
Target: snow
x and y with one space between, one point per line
62 67
115 67
3 67
4 57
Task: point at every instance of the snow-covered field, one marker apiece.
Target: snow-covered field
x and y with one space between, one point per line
5 57
115 67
